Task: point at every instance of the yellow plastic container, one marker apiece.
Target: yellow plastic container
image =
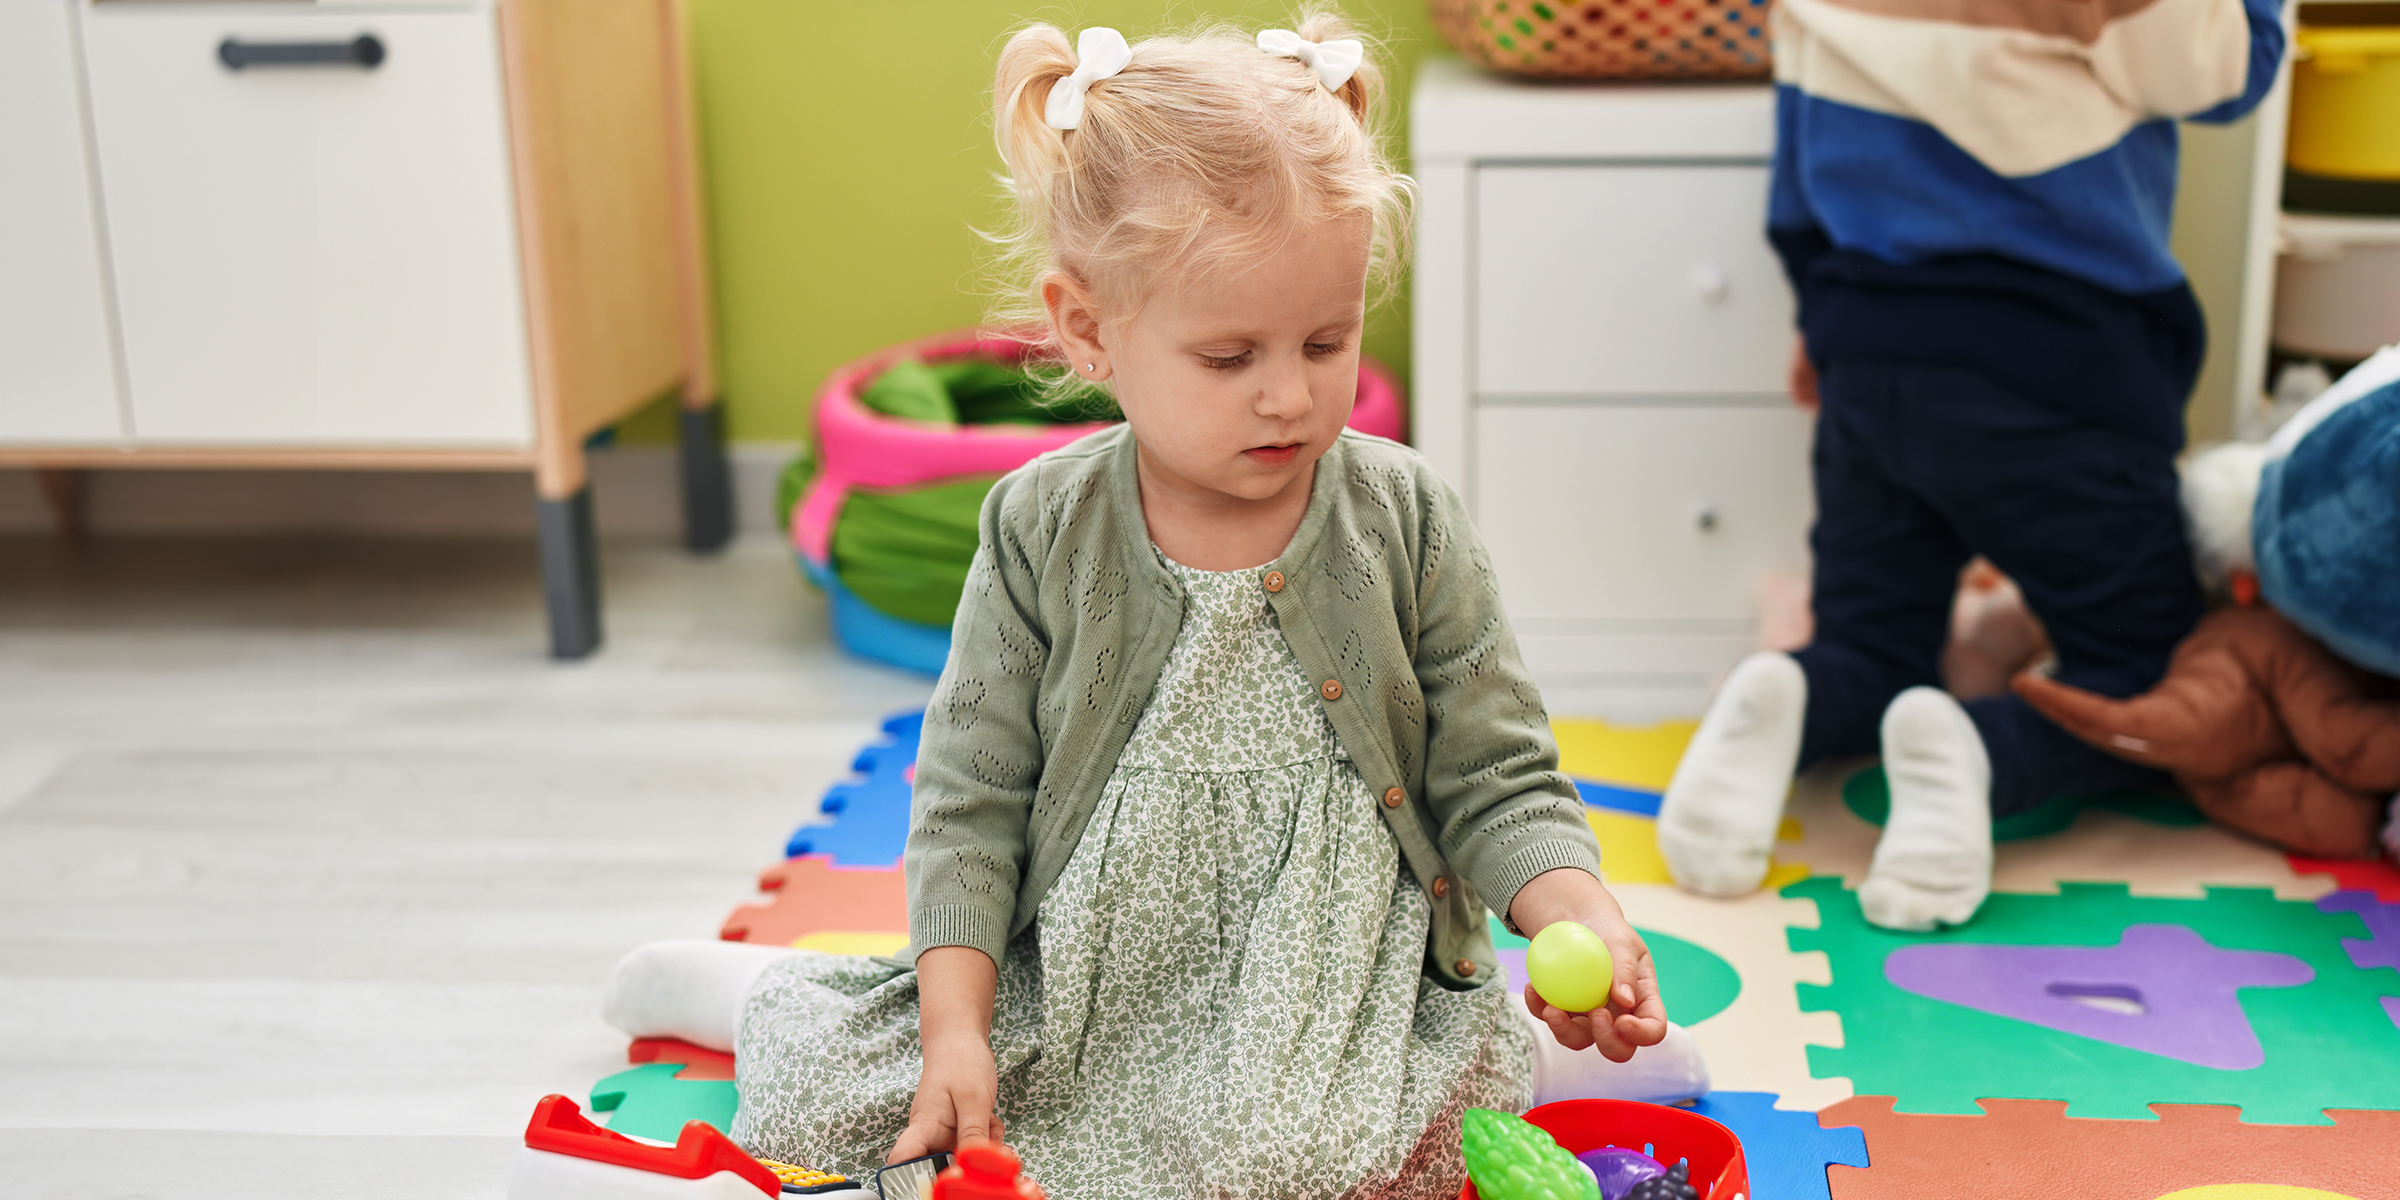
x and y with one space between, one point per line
2346 102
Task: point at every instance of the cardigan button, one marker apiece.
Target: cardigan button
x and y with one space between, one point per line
1274 581
1466 967
1441 888
1394 797
1332 690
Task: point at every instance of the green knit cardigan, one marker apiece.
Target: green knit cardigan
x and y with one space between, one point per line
1386 597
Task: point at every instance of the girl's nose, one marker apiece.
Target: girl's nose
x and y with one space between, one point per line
1284 394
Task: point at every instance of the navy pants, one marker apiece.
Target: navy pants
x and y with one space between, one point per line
1918 469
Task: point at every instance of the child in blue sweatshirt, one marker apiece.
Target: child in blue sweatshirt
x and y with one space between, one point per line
1972 199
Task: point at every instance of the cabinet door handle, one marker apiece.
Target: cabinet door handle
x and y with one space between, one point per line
364 51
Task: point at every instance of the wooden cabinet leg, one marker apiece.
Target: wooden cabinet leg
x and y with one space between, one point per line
63 488
570 549
708 517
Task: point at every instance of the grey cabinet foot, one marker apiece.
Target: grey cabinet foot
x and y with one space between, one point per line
707 481
570 572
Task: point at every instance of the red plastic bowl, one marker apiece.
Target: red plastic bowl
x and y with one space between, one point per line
1663 1133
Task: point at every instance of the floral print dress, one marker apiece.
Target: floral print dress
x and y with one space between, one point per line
1224 994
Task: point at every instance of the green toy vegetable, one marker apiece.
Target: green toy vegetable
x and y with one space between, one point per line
1570 966
1512 1159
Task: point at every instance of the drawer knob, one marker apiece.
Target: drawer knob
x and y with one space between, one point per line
365 51
1705 517
1711 284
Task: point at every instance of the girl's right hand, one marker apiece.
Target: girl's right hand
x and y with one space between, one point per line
954 1100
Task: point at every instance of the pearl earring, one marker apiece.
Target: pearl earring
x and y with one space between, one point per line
1089 367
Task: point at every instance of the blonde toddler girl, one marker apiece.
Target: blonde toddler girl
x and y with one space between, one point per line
1234 745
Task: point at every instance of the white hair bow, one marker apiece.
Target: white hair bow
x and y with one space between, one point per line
1099 53
1334 62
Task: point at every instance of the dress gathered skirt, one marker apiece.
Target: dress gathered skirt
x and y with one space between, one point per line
1223 996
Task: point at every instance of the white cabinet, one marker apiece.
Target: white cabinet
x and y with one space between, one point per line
1602 335
388 234
312 255
58 375
1626 280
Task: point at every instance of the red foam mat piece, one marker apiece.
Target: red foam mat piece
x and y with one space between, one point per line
2030 1150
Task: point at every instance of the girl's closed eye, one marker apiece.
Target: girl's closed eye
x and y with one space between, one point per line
1327 349
1225 362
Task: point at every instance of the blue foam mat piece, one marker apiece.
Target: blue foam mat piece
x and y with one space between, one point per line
1621 799
1787 1151
870 826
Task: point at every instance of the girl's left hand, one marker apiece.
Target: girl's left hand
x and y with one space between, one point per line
1634 1016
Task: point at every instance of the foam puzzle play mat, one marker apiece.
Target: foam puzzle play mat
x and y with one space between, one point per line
2148 1008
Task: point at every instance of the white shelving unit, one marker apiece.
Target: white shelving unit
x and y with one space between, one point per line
1601 338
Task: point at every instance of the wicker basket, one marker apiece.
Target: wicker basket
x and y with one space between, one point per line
1611 39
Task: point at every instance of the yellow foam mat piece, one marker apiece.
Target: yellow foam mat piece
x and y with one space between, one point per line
1642 758
842 941
1629 850
2253 1191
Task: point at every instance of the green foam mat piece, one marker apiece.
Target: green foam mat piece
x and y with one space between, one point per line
1868 794
649 1101
1934 1057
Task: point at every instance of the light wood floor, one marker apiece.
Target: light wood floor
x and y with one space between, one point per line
311 866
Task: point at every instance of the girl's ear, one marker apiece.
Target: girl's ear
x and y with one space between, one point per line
1075 322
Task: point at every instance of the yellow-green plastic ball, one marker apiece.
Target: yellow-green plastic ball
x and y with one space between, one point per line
1570 967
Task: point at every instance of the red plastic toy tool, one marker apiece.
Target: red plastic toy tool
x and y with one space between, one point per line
985 1171
560 1127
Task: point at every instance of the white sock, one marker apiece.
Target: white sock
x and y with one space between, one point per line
1662 1074
1716 826
688 989
1934 864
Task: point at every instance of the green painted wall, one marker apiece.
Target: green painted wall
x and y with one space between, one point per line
849 160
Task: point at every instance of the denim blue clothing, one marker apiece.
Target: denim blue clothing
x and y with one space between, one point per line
1920 468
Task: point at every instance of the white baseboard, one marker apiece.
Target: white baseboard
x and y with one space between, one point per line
636 492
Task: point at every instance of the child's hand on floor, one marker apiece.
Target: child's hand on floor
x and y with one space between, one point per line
960 1083
1634 1016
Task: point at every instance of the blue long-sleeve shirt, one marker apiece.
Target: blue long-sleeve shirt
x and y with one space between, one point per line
1991 183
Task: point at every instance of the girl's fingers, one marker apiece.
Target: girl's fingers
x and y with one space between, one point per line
913 1143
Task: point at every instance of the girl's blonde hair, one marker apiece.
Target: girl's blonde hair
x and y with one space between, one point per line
1203 151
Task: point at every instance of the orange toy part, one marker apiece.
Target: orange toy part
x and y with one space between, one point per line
1718 1168
700 1063
809 894
2269 733
559 1127
2031 1150
985 1171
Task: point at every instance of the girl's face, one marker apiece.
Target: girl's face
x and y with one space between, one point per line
1235 383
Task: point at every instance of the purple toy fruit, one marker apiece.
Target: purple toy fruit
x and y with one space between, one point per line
1676 1184
1618 1170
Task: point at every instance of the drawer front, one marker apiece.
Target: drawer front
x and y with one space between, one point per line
1627 280
58 380
1667 517
318 254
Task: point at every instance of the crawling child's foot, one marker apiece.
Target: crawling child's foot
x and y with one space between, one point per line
1934 864
1716 826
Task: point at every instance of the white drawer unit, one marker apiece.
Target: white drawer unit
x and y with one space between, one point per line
394 234
1602 335
58 373
1626 280
1641 513
357 284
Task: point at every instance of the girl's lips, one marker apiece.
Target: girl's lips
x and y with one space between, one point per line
1272 456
